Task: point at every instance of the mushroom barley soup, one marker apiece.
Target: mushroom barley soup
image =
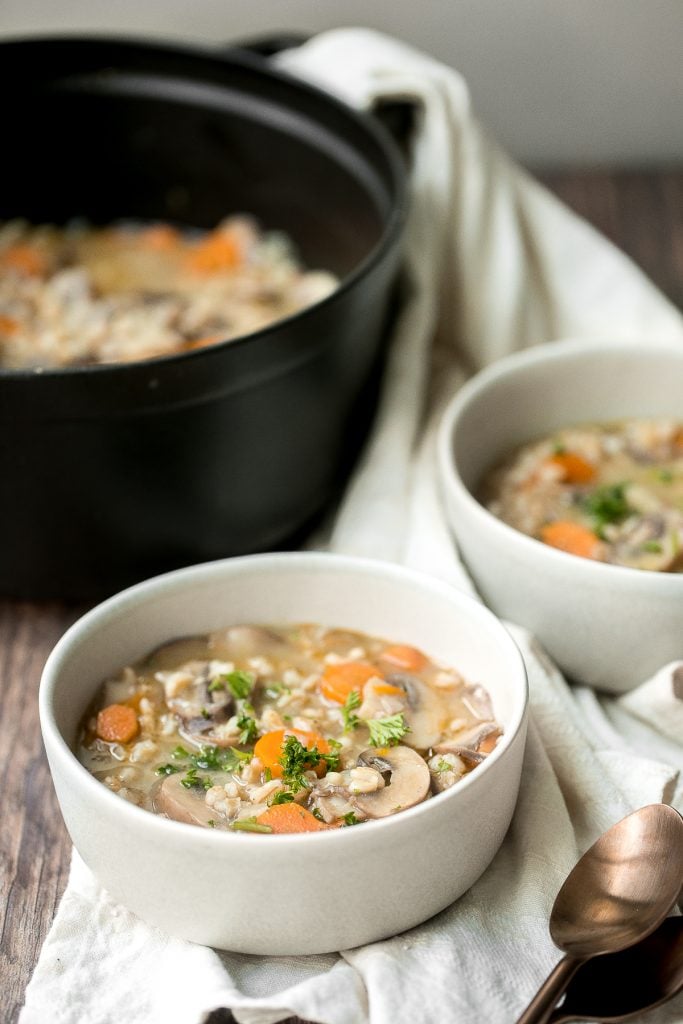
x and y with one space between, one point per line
612 492
77 295
285 729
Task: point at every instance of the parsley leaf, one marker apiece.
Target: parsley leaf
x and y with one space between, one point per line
248 727
386 732
238 682
352 703
218 759
607 505
249 825
297 760
282 797
193 780
351 819
167 769
652 546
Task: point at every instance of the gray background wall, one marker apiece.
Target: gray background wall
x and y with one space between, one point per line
560 82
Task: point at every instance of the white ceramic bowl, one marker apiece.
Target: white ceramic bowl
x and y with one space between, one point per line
287 894
605 625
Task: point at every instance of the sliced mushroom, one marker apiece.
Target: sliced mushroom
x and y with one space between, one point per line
406 778
427 713
200 710
477 700
242 642
182 804
177 652
480 739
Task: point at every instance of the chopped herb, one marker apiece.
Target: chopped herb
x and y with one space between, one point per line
217 759
286 718
652 545
559 448
352 703
249 825
316 814
211 823
351 819
248 729
282 797
296 760
167 769
607 505
274 690
204 713
239 683
267 775
193 780
179 752
386 732
443 766
665 475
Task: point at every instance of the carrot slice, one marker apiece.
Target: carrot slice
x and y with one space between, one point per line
291 818
24 258
404 656
8 325
339 680
218 251
575 469
571 537
210 339
387 690
268 748
117 723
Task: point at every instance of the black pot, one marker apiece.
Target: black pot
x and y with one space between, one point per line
113 473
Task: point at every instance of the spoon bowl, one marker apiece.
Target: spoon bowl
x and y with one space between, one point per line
620 985
617 894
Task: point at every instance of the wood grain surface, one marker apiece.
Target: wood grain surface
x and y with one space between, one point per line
641 212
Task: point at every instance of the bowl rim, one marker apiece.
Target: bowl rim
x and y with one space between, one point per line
144 592
518 363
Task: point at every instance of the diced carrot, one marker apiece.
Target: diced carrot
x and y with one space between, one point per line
24 258
268 748
117 724
210 339
404 656
575 469
387 690
571 537
291 818
160 237
339 680
8 325
218 251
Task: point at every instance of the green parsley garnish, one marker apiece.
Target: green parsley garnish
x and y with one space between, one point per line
211 823
386 732
665 475
248 729
559 448
193 780
249 825
351 819
179 752
652 546
274 690
296 760
218 759
352 703
607 505
167 769
282 797
238 682
443 766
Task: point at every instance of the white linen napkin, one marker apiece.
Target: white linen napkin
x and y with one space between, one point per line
493 264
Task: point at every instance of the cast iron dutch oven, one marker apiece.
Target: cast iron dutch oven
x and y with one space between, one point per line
113 473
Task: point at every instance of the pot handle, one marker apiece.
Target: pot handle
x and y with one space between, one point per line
395 116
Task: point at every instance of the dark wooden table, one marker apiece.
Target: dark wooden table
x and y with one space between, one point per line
641 212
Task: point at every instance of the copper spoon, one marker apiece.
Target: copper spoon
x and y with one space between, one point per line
619 892
620 985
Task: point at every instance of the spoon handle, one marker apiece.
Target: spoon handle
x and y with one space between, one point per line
541 1006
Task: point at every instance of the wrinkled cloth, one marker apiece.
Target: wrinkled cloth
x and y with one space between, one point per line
493 264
